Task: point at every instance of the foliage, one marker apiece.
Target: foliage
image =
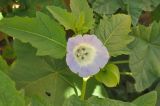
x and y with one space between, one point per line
143 56
109 75
34 35
80 20
113 32
9 95
42 32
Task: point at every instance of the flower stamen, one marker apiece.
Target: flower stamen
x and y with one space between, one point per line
84 54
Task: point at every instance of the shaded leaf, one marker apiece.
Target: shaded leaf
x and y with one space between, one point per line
149 5
41 76
134 9
32 6
4 3
74 101
28 67
95 101
148 99
107 102
36 101
106 6
155 14
158 94
144 57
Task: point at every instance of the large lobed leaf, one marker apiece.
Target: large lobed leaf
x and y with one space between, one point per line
95 101
144 57
42 77
42 32
148 99
28 67
113 32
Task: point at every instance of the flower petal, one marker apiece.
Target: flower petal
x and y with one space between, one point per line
72 63
89 70
72 42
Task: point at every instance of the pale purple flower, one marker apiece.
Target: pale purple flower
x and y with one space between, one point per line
86 55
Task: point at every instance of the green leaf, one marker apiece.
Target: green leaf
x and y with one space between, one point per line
9 96
106 6
36 101
113 32
65 18
109 75
84 15
27 72
4 3
26 67
158 95
3 65
144 57
134 9
149 5
80 20
95 101
51 88
41 76
74 101
42 32
32 6
155 14
148 99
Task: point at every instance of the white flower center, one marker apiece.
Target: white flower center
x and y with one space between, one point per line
84 54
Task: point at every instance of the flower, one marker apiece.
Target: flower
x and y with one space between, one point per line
86 55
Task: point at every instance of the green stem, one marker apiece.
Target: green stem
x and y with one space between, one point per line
83 91
126 73
120 62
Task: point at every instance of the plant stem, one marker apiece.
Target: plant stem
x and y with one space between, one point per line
83 91
126 73
120 62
